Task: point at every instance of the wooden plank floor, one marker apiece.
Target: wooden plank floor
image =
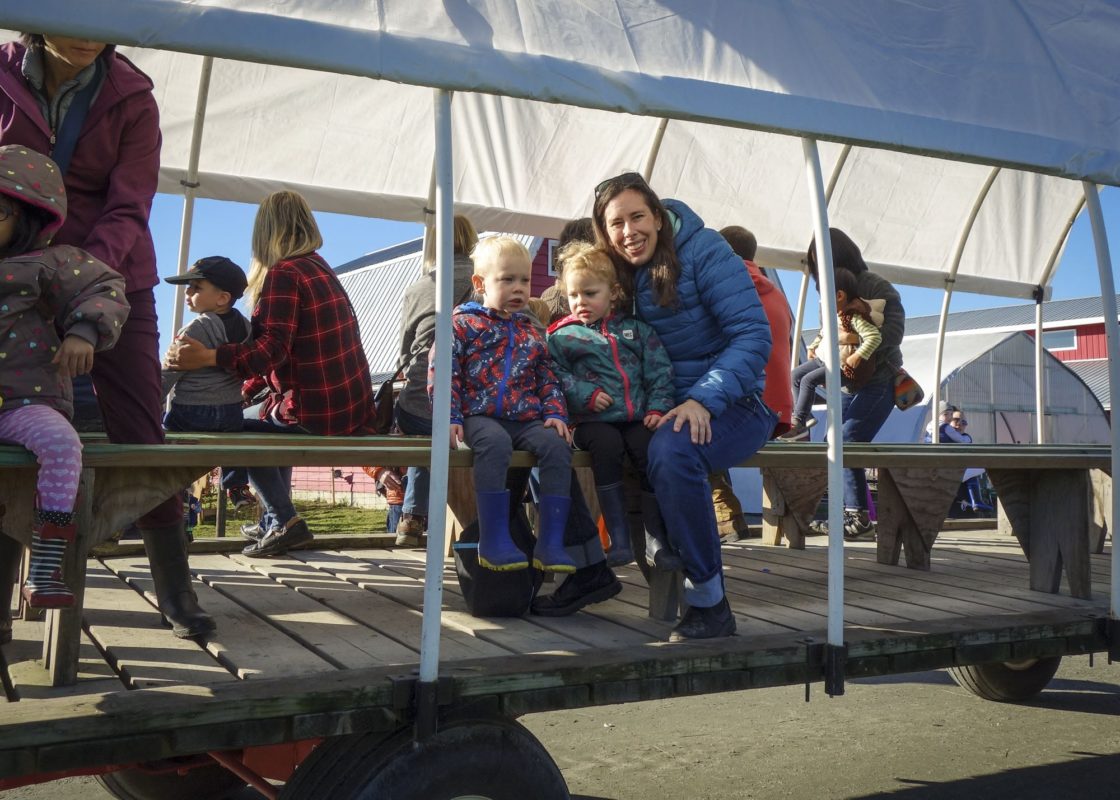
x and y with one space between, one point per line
323 611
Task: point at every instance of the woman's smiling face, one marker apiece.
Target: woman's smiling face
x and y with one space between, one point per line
632 227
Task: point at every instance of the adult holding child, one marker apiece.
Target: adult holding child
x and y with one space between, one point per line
305 357
692 289
865 406
93 112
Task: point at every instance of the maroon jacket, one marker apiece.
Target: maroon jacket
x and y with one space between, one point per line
112 175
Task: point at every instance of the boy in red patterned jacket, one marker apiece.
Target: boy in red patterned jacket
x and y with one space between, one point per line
504 395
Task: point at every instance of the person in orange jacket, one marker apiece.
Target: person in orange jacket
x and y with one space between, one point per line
778 392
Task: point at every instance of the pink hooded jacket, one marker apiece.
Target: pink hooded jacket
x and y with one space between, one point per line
112 176
48 286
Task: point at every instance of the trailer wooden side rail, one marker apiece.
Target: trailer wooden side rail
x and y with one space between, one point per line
324 644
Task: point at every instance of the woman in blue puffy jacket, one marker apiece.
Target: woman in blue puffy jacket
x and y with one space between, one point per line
689 285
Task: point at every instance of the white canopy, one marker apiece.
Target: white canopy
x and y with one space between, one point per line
930 96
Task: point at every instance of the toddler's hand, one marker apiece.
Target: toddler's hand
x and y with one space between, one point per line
811 354
650 421
854 360
74 356
560 428
601 402
456 436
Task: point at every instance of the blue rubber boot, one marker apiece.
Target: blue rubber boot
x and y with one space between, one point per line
496 549
549 554
612 502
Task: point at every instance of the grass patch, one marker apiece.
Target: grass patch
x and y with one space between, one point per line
321 518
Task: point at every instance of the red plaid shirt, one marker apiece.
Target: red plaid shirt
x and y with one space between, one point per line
307 349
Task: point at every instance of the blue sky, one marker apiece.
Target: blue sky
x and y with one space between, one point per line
223 228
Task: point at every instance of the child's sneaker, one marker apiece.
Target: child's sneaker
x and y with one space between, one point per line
857 525
241 496
798 431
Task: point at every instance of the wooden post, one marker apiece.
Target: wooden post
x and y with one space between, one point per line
913 504
64 626
1048 511
789 500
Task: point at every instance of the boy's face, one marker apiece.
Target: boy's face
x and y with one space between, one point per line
203 296
504 284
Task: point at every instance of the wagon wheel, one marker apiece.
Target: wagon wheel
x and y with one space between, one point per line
212 782
1007 681
479 759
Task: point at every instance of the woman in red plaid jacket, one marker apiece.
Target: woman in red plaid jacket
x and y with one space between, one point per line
305 357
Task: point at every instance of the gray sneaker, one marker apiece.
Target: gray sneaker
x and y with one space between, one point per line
253 531
279 540
857 526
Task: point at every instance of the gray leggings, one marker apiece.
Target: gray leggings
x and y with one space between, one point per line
493 442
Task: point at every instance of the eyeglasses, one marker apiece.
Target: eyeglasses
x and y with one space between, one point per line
625 180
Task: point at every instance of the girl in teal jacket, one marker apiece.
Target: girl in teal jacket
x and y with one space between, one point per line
617 380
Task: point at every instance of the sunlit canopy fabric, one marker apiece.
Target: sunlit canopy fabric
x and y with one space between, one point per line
333 97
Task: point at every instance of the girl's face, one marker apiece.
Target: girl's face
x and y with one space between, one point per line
632 227
73 54
8 211
590 297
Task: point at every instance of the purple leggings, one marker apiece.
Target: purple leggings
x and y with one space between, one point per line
53 440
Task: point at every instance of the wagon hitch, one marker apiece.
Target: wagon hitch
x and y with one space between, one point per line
835 659
421 700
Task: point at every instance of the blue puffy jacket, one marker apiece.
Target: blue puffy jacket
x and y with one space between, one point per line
717 335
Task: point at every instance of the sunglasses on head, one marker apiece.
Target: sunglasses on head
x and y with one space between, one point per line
625 180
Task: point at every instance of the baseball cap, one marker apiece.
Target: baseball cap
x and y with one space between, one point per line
219 270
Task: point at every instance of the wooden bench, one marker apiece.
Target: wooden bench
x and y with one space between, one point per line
1045 494
121 482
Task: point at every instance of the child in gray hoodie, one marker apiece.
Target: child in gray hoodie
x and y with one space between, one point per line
209 399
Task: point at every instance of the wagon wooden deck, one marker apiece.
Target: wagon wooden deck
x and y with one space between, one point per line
326 642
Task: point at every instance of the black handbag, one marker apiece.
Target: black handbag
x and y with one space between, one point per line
383 401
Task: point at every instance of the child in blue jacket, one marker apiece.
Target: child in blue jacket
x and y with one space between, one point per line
504 395
618 382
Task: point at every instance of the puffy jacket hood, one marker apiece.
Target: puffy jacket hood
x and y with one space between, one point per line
34 180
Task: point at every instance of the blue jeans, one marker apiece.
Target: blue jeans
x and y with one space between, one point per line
419 478
223 418
392 517
272 484
679 469
864 413
807 378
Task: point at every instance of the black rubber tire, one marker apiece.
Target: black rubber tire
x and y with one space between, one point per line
491 759
1007 682
202 783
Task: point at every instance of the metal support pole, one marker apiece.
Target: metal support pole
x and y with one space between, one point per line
834 673
1039 375
950 280
190 185
441 421
654 149
1112 329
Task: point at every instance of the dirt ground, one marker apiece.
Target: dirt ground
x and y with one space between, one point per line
912 737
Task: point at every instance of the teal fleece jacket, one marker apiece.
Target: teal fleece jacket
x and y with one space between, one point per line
618 355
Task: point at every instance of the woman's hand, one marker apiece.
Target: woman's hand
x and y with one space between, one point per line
456 436
854 360
191 354
560 428
698 419
74 356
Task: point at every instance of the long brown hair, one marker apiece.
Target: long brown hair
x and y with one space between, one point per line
284 228
664 267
